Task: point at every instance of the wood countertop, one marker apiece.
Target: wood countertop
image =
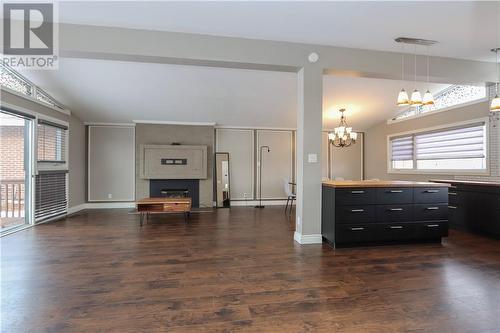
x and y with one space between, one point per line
466 182
380 183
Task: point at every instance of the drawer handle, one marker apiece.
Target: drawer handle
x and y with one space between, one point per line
357 229
396 227
432 225
396 209
452 193
432 208
357 210
357 192
395 191
431 191
453 186
452 207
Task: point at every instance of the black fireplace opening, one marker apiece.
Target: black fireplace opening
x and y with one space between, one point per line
176 188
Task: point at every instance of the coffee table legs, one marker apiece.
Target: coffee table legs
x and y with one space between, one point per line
144 216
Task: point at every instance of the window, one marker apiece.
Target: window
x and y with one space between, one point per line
51 144
12 80
452 96
459 148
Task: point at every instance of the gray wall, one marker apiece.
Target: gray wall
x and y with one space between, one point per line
76 147
183 134
376 140
111 153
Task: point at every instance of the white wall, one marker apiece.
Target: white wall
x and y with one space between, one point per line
111 161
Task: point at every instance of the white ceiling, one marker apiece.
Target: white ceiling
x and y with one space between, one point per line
467 29
111 91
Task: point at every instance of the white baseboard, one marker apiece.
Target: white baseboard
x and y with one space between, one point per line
76 209
307 239
109 205
256 202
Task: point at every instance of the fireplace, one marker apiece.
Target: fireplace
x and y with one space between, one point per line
176 188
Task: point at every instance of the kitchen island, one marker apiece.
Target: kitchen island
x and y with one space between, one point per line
474 206
364 212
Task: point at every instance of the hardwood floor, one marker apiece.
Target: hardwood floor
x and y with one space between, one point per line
238 270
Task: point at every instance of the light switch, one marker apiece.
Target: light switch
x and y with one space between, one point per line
312 158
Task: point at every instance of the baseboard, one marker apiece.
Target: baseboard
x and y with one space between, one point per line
256 202
109 205
307 239
76 209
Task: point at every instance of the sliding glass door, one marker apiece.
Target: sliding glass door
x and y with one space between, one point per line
16 169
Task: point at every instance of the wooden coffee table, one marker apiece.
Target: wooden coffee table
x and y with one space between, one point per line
148 206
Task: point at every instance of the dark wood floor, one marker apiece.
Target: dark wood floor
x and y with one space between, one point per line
238 270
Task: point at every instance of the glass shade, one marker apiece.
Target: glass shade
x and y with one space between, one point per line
495 104
428 98
340 131
348 130
331 136
416 98
403 98
354 136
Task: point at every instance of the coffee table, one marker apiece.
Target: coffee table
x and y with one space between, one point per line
148 206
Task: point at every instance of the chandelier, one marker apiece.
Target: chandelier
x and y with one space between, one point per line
495 102
342 136
416 98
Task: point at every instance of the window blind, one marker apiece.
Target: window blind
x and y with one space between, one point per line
50 195
402 148
51 142
459 143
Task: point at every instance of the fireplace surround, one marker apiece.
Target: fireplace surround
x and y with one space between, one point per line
176 188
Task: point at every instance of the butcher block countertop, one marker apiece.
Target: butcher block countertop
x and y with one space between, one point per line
379 183
466 182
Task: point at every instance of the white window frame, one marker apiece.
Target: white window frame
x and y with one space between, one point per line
415 171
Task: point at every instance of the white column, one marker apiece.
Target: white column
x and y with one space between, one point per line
309 125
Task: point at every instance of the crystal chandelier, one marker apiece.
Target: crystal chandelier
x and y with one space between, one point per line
342 136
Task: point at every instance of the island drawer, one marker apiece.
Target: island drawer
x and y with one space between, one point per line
394 213
356 233
394 195
355 214
430 194
354 196
429 212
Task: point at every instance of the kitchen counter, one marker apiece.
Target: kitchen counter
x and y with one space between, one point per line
380 183
362 212
466 182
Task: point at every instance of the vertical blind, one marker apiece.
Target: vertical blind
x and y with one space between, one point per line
458 143
51 143
50 195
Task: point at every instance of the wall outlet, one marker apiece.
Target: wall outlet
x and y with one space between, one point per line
110 196
244 195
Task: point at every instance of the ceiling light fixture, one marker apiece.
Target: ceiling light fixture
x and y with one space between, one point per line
342 136
416 97
403 99
428 97
495 102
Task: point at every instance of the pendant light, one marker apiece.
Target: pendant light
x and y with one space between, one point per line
416 97
428 97
403 99
495 102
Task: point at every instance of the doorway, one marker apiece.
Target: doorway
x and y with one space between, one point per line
16 170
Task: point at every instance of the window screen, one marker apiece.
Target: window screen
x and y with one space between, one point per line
51 145
50 195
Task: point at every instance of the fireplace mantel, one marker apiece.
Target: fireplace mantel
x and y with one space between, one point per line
173 162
